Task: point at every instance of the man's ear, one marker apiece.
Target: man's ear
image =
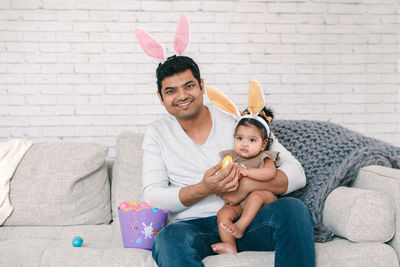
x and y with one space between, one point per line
202 86
160 98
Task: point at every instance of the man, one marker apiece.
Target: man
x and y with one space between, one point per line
181 173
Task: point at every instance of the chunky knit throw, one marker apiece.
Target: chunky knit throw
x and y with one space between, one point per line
331 156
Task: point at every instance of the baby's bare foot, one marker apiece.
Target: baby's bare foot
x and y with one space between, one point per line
223 248
232 229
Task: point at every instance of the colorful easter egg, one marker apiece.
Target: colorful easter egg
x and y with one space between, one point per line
144 205
77 241
123 205
133 208
132 203
225 162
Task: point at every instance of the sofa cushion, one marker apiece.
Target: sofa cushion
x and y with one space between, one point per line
359 215
387 181
52 246
127 170
102 246
338 252
61 183
344 253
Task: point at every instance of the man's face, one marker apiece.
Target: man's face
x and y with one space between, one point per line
182 95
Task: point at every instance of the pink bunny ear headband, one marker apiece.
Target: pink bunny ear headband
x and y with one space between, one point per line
256 103
154 49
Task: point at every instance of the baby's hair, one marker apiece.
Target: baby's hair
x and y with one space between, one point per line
266 114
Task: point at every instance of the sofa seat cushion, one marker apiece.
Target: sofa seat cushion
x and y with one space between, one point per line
52 246
102 246
344 253
61 183
98 235
339 252
92 257
47 252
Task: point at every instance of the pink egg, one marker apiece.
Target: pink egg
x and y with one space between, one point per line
132 208
123 205
144 205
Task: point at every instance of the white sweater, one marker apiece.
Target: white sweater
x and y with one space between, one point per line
172 160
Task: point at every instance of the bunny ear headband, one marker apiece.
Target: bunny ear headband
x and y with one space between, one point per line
154 49
255 104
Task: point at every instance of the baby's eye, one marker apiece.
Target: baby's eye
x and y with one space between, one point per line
253 140
239 138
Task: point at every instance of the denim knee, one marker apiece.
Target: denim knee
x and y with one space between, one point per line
298 209
174 231
287 210
173 246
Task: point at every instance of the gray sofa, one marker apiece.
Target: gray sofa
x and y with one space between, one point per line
61 190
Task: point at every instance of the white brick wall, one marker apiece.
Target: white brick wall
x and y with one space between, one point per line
73 70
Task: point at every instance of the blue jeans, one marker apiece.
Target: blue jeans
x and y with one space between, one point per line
284 225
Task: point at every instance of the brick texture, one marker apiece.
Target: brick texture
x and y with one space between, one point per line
73 70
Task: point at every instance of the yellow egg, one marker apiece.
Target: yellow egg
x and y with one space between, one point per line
225 162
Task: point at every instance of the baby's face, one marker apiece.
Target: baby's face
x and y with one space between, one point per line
248 141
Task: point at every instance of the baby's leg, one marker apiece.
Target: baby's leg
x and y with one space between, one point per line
254 202
225 216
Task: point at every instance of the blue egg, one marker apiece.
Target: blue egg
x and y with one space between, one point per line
154 209
77 241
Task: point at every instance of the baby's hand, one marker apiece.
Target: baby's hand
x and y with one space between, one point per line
243 171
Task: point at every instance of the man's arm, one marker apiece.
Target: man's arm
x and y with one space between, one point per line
157 189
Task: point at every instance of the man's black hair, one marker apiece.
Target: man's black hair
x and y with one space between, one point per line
173 65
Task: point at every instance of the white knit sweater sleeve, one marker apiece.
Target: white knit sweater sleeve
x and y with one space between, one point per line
290 166
156 187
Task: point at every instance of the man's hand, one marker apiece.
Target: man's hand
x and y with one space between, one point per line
214 181
218 182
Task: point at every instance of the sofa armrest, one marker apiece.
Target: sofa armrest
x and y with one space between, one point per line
387 181
359 215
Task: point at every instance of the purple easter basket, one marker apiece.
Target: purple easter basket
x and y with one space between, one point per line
138 228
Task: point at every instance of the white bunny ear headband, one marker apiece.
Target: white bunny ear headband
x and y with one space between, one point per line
154 49
256 103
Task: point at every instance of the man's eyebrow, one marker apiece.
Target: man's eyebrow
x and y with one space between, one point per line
168 88
188 82
171 87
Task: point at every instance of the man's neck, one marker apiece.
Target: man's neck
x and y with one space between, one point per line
199 127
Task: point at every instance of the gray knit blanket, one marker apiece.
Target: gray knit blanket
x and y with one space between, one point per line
331 156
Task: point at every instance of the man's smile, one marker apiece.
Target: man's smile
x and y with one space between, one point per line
184 104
